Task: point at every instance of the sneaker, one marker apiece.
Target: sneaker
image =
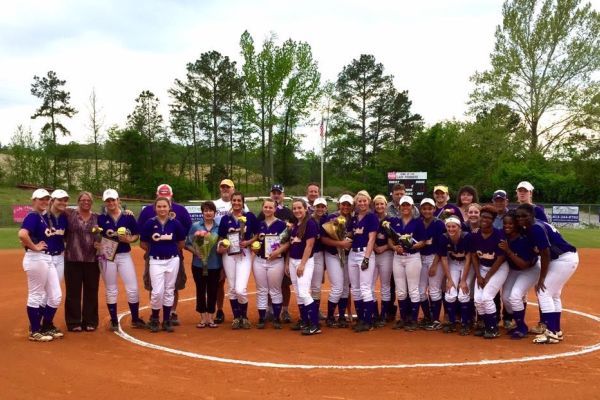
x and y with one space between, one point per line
260 324
298 326
220 317
539 329
517 334
423 322
434 326
491 334
362 327
277 324
509 325
174 319
449 327
54 332
311 330
237 323
479 328
114 326
399 324
168 326
391 314
411 326
358 326
322 316
380 323
547 337
286 317
560 335
153 325
246 323
342 322
139 324
331 323
40 337
465 330
268 316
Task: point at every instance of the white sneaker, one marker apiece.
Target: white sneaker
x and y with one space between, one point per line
546 338
38 337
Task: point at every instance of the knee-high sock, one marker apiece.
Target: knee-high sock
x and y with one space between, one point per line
465 314
167 313
33 313
134 309
426 309
276 311
414 311
519 317
404 306
112 310
330 309
358 305
235 308
262 314
343 303
436 309
303 313
312 311
451 309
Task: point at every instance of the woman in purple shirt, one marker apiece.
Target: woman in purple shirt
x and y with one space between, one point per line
383 260
491 271
361 260
163 239
559 261
42 277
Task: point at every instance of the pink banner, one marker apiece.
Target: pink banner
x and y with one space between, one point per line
20 212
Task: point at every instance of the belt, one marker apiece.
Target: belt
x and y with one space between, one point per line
50 253
358 249
458 259
163 257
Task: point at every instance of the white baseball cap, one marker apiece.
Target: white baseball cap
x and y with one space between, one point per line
407 199
59 194
40 194
346 198
427 200
110 194
452 220
525 185
320 200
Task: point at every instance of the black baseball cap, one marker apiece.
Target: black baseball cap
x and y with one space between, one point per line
499 194
278 187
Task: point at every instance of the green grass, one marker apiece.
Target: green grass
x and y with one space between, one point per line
582 238
8 238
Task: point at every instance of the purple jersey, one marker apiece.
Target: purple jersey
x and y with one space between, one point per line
543 236
361 228
523 248
230 224
56 235
110 226
162 239
179 212
275 228
455 251
487 249
540 213
323 233
318 247
451 208
381 239
415 228
297 245
37 226
433 231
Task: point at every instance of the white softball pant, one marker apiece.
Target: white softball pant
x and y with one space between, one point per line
361 282
430 284
58 261
43 284
317 278
163 275
338 278
484 298
302 283
237 269
456 270
383 272
518 283
123 266
407 273
268 276
559 272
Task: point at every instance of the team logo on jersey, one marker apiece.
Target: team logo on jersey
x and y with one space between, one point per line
461 254
295 239
359 231
380 236
54 232
157 237
486 256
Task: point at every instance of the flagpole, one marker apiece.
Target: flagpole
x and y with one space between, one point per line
322 156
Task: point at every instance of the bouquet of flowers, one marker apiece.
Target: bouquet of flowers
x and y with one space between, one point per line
97 232
446 212
242 221
336 229
406 241
203 243
284 236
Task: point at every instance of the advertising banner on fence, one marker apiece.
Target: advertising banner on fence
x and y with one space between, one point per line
565 214
195 213
414 182
20 212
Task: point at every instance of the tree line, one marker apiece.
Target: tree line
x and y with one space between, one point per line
534 114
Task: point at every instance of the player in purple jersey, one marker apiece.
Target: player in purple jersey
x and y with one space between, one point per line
383 260
467 195
444 209
319 215
432 273
524 272
558 260
42 278
162 238
57 221
335 256
268 264
361 260
471 223
491 271
120 228
239 230
407 236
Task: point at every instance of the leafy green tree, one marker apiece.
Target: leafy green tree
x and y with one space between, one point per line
545 55
55 104
148 122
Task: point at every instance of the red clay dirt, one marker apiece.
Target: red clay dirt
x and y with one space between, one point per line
103 365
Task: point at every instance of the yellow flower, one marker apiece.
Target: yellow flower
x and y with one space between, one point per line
242 219
385 224
341 220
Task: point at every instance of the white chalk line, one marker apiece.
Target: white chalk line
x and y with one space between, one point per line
264 364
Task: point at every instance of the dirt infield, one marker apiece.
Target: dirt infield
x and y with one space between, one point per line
104 365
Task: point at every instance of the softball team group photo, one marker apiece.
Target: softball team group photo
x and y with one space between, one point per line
463 268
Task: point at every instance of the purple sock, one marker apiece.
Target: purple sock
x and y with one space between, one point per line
426 309
330 309
49 313
342 305
369 310
358 306
493 321
313 313
436 309
451 312
33 313
552 324
276 311
262 314
318 303
404 306
557 326
41 311
384 308
166 313
112 310
244 310
235 308
155 314
134 308
519 317
414 311
375 310
303 313
445 304
465 314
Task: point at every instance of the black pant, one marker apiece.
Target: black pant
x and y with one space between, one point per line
206 289
78 276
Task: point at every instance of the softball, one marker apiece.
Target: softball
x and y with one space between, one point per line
122 231
255 245
225 243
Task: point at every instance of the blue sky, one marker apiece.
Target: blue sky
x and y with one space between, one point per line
121 48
